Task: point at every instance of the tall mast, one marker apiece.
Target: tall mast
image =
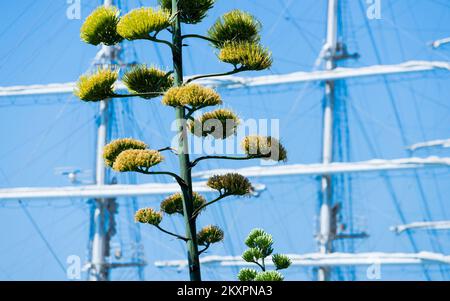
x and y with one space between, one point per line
325 235
99 270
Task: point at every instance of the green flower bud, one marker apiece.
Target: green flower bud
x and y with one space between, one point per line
96 86
281 261
148 216
247 55
143 79
101 27
141 22
209 235
190 11
259 239
191 95
232 184
250 240
268 147
252 255
174 203
235 26
137 160
247 274
220 124
264 243
269 276
114 148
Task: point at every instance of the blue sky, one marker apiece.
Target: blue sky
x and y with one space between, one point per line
41 45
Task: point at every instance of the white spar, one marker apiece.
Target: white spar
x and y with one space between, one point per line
103 191
445 143
434 225
237 82
320 260
332 168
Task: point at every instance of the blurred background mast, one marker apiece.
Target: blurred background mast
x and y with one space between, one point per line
102 219
325 220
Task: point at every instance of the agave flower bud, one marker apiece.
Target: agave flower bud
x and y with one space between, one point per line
281 261
220 124
267 147
232 184
209 235
148 216
252 255
235 26
247 55
191 95
246 274
101 27
136 160
255 233
269 276
96 86
260 240
190 11
114 148
141 22
174 203
143 79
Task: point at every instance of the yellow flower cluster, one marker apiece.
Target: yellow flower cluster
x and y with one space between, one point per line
148 216
96 86
174 203
191 95
209 235
143 79
113 149
235 26
101 27
264 146
136 160
141 22
247 55
220 124
190 11
231 184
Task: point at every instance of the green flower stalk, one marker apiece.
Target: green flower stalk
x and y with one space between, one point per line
101 27
142 79
268 148
140 23
236 35
190 11
235 26
137 160
246 55
174 203
221 124
97 86
260 247
113 149
193 95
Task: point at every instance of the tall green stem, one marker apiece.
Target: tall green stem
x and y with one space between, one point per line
183 155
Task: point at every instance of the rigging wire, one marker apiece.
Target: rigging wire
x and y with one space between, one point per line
42 236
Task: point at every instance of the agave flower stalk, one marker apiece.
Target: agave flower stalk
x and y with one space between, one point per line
183 156
129 155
